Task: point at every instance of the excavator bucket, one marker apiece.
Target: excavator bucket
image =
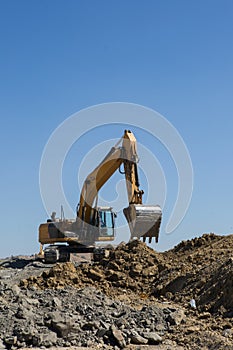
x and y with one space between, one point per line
144 221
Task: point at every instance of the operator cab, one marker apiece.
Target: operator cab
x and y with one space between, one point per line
106 222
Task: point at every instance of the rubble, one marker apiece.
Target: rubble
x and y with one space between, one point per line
135 299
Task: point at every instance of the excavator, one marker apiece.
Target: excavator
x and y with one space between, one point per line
95 224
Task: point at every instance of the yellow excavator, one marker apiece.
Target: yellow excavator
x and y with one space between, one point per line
97 224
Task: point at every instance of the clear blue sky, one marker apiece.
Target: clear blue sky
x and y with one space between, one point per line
58 57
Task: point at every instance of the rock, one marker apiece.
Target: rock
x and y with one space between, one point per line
204 315
16 290
152 337
95 275
137 339
60 324
57 302
91 325
150 271
101 332
112 265
46 339
27 302
176 317
117 334
135 270
114 276
24 313
62 329
104 324
25 334
12 340
192 329
56 317
160 327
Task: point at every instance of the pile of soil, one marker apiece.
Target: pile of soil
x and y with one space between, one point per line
130 266
200 269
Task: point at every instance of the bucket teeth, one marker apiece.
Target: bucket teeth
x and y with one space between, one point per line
144 221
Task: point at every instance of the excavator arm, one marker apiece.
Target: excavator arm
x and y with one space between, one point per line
144 221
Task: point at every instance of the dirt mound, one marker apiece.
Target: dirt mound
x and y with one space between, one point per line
203 241
130 266
199 269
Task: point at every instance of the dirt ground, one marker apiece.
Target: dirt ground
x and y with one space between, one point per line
195 278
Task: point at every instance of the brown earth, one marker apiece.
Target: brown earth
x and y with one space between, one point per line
199 269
